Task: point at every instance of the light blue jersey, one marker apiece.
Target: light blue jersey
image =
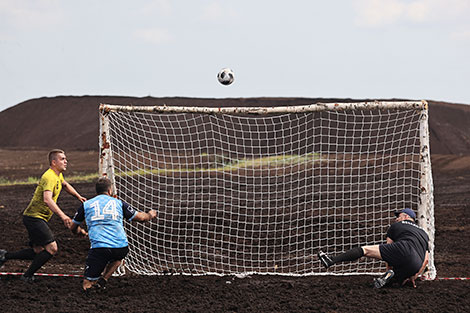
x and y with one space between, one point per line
104 216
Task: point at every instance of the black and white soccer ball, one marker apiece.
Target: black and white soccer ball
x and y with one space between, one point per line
226 76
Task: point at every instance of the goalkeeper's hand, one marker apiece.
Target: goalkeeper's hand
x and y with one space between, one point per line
411 279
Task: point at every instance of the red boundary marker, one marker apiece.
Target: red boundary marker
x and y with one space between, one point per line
41 274
452 278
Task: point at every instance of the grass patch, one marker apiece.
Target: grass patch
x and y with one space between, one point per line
34 180
27 181
226 165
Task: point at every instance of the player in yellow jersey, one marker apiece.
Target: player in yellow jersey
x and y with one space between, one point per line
38 213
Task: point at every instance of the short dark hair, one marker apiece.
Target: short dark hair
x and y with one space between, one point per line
53 155
102 185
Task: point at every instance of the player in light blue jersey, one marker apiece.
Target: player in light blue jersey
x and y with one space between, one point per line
104 216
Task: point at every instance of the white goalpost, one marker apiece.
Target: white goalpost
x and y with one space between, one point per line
260 190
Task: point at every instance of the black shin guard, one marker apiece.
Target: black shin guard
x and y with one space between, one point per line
39 260
350 255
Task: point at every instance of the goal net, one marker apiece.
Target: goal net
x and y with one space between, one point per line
261 190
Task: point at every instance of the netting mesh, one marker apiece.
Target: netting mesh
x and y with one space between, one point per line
262 194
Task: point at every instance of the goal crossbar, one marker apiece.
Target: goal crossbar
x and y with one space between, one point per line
317 107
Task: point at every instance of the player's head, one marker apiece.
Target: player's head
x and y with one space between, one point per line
57 159
103 186
405 214
53 154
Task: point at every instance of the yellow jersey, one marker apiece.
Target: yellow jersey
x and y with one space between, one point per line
37 207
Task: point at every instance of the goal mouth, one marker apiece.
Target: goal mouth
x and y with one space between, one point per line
260 190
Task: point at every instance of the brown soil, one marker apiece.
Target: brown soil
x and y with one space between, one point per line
262 293
71 123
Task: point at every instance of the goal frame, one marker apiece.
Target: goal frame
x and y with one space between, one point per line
425 214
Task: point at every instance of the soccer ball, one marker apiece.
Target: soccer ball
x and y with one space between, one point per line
226 76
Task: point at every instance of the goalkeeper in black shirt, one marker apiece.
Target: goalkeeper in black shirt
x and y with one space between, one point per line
406 251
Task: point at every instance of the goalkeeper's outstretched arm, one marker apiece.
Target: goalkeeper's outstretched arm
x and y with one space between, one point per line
420 272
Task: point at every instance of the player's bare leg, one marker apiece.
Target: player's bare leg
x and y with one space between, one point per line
110 269
87 284
372 252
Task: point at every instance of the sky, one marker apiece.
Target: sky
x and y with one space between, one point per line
361 49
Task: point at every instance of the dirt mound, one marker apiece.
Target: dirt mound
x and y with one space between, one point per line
72 122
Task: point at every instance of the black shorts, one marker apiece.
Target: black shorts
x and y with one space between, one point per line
98 258
402 256
38 231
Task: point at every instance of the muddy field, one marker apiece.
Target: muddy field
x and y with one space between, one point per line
226 294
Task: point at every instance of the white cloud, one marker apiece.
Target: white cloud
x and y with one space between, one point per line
157 7
385 12
461 35
215 11
154 35
418 11
378 12
31 14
